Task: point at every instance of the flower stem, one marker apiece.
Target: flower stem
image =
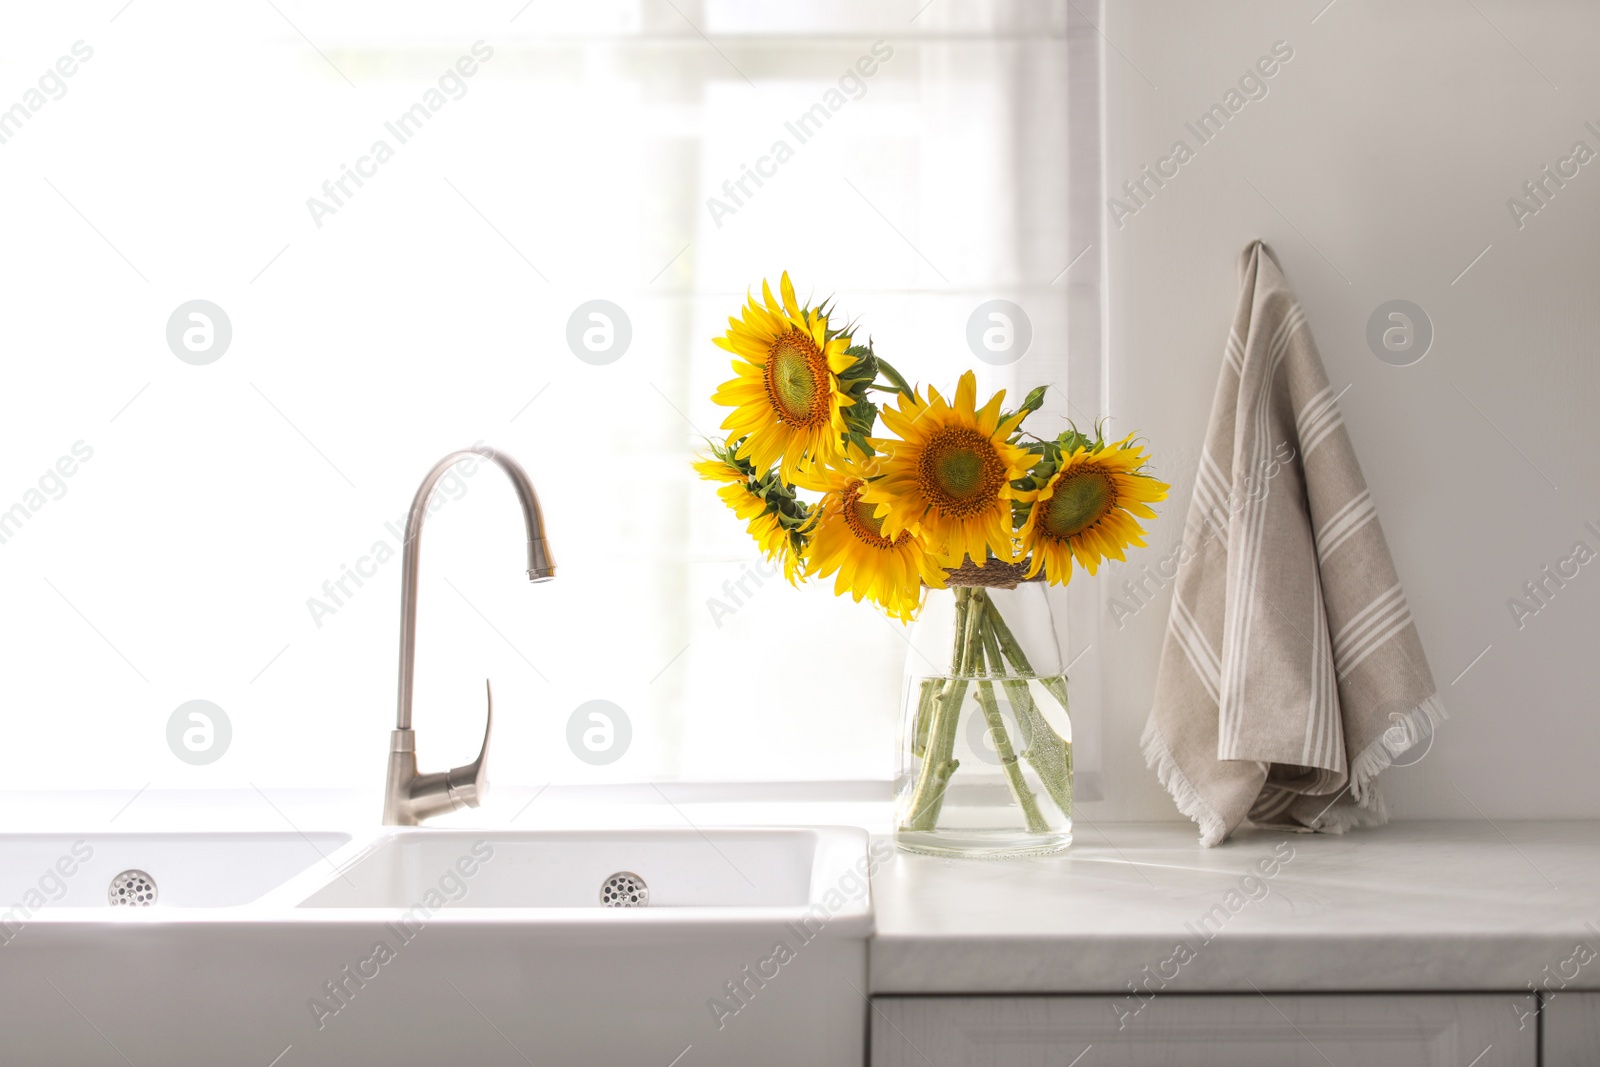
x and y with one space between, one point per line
1055 684
896 379
1049 755
1002 747
982 636
939 762
1047 751
1058 689
925 701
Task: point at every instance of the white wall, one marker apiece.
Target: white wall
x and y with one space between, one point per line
1384 154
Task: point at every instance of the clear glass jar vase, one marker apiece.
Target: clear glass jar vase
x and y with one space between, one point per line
985 740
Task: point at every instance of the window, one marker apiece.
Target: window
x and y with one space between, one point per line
233 533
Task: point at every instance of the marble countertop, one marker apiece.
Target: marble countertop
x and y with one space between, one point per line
1439 906
1412 906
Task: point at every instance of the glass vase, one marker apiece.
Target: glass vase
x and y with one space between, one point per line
985 740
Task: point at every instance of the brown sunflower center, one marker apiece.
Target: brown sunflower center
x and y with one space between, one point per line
1081 499
860 518
797 380
960 471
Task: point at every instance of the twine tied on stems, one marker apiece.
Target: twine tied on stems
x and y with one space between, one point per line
991 574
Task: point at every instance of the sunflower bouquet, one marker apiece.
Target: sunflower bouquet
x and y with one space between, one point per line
950 494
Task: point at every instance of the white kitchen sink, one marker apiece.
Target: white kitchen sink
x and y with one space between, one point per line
179 870
771 869
426 946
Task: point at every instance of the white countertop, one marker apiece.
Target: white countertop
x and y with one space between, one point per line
1416 906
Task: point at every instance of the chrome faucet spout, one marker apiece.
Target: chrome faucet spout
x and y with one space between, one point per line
409 796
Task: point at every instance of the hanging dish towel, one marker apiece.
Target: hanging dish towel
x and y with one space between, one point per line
1291 674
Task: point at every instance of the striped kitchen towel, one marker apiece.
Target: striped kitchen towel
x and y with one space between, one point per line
1291 674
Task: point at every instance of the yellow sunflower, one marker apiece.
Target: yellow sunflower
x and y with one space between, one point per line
716 469
764 521
1087 508
848 538
949 474
786 398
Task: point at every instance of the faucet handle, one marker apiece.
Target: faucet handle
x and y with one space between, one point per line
412 797
469 783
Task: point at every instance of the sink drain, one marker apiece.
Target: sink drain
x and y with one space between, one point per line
132 889
624 890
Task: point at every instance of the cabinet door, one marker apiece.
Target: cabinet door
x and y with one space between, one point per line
1391 1030
1571 1030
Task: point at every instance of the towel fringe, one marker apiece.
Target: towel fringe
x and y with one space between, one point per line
1341 818
1417 723
1190 803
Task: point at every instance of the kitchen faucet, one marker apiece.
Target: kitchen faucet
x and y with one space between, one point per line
410 797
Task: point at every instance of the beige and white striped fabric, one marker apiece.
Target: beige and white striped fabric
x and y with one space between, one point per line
1292 673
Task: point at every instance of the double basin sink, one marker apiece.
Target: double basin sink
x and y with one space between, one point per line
660 946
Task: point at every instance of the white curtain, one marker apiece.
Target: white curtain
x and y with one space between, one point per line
938 156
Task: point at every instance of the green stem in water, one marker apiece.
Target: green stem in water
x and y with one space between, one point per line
925 702
982 635
1048 746
1049 755
1002 747
1055 684
1058 689
939 762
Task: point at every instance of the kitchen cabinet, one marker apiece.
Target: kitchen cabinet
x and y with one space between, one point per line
1571 1030
1231 1030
